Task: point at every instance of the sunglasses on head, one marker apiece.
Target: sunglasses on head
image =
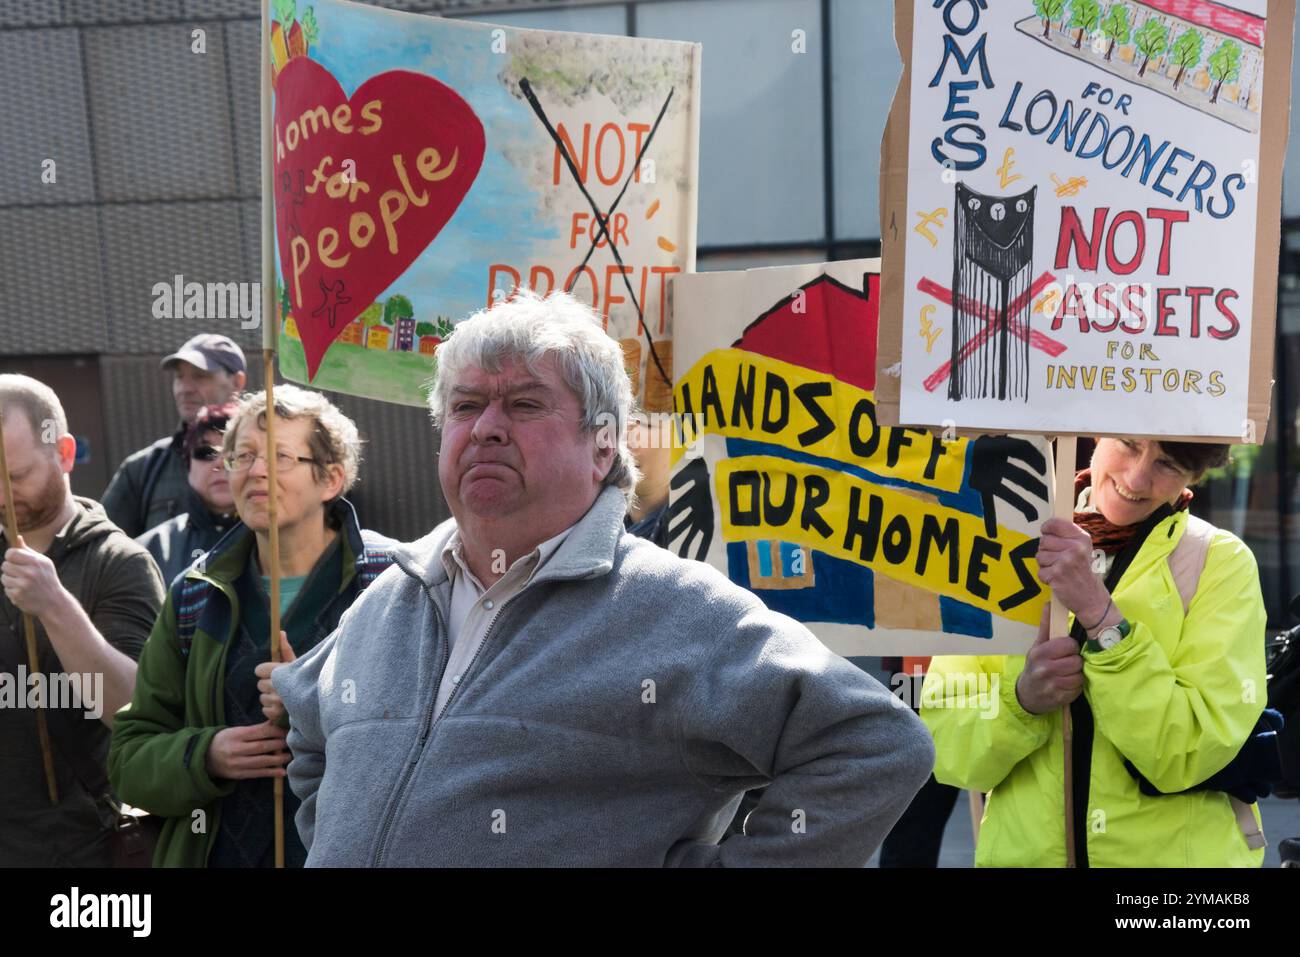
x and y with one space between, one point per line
207 453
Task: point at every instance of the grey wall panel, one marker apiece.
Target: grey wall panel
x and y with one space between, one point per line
605 19
866 69
44 99
416 6
148 244
28 13
52 296
161 126
398 493
138 406
115 11
250 212
761 170
242 43
221 8
254 356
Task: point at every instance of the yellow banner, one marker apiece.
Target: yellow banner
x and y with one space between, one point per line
744 395
897 534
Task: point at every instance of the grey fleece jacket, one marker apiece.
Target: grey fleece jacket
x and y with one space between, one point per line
618 709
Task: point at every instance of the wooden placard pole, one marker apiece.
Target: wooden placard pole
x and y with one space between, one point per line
269 330
29 626
1066 448
273 532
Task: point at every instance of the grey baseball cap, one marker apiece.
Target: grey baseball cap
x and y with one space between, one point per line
209 352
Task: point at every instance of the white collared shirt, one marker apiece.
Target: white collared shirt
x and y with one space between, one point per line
474 608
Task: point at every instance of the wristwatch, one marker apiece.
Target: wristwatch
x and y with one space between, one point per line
1109 637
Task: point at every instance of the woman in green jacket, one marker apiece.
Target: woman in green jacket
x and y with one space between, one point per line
193 746
1165 690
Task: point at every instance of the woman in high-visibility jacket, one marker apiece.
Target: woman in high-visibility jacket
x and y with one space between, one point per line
1167 688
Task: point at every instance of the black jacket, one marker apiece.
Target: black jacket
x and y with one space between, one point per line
149 487
178 541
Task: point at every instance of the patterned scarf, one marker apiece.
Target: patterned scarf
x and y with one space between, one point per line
1108 537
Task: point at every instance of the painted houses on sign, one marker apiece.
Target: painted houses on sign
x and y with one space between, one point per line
1204 53
352 332
405 335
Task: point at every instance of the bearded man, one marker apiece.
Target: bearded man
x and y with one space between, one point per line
94 595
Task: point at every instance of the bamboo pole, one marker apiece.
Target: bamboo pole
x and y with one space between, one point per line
1065 458
269 332
29 626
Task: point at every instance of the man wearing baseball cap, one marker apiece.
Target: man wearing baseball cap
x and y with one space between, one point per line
152 485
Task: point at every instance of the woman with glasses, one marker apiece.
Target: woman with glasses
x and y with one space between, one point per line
194 746
210 512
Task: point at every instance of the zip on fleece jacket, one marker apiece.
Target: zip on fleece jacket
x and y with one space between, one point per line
615 712
424 733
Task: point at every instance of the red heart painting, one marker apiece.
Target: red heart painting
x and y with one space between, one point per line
362 186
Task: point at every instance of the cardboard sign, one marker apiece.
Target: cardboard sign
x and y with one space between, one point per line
425 168
882 541
1080 216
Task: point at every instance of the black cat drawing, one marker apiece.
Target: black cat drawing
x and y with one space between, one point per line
992 268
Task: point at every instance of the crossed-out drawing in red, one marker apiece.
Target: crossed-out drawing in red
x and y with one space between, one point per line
1037 340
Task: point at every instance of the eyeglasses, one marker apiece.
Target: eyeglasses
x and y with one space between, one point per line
243 461
207 453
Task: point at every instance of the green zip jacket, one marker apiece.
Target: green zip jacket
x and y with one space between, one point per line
158 755
1178 697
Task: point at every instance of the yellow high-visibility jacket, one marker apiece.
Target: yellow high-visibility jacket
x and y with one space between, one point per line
1178 697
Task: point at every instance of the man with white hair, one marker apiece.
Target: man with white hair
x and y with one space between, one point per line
530 685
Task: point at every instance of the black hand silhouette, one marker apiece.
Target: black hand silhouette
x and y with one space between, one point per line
691 513
993 471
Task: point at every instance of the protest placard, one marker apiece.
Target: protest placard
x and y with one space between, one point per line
882 541
1080 216
426 167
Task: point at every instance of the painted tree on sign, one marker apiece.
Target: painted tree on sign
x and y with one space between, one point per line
397 307
441 328
1084 14
1186 52
1225 65
1049 10
1152 40
1115 27
310 31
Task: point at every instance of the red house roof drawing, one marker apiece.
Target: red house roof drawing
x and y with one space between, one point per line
1215 16
834 330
